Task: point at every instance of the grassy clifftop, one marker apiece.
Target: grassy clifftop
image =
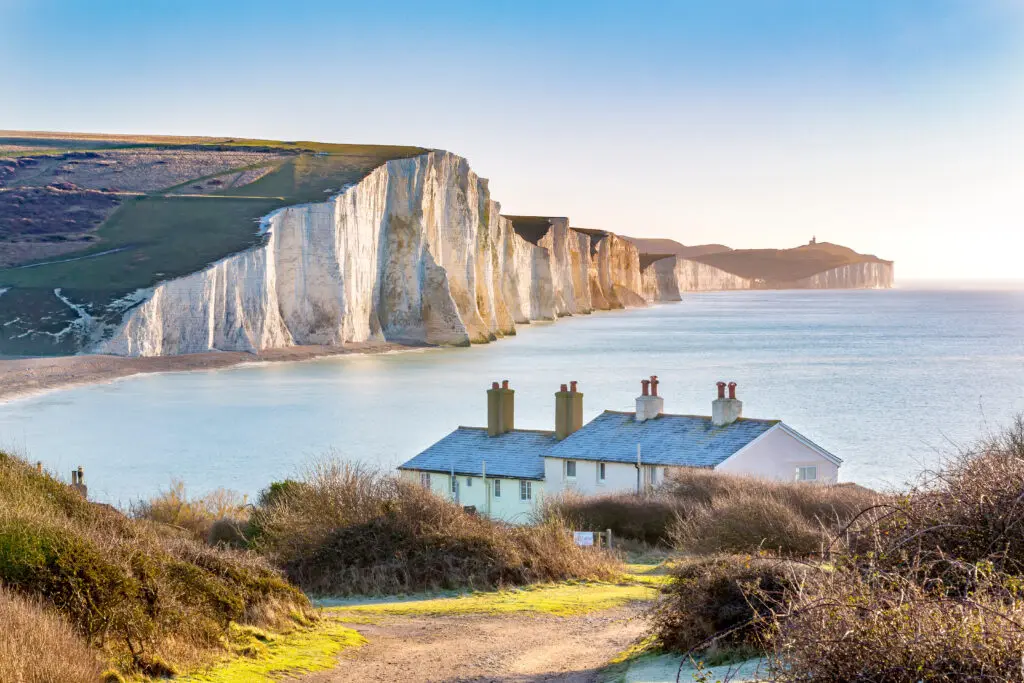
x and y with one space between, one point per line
786 265
770 266
101 216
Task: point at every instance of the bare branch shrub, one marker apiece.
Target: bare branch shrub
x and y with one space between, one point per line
345 529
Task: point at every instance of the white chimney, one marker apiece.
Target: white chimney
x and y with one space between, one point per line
725 411
649 405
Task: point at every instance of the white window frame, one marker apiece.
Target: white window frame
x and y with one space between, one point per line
574 469
455 485
525 490
497 488
602 473
425 479
469 482
803 470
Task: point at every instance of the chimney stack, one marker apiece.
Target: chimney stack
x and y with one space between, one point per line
725 411
78 481
500 409
508 408
649 405
568 410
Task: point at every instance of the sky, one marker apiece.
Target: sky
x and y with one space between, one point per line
895 127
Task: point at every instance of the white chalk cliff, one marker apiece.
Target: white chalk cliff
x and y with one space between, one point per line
416 252
866 275
667 278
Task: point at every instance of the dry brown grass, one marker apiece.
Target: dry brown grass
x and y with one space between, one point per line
345 530
732 514
701 511
646 519
38 646
151 598
197 516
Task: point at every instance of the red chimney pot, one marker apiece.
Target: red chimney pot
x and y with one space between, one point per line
494 385
504 384
572 386
721 389
732 389
646 384
564 388
654 385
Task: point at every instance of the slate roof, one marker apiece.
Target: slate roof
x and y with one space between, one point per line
517 454
674 440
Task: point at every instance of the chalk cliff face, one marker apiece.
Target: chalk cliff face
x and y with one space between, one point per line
667 278
614 271
417 252
868 275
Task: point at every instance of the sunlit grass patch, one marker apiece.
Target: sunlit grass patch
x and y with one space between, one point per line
262 657
564 599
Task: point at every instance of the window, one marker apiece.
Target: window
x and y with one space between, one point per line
600 471
425 479
570 469
497 488
455 485
525 490
469 481
807 473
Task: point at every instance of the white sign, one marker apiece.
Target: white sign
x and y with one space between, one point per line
583 538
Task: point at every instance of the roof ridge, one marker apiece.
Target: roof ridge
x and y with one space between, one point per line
529 431
699 417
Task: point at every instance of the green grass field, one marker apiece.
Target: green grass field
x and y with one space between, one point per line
158 236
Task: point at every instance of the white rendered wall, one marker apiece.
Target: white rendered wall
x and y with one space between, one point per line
506 507
776 455
619 477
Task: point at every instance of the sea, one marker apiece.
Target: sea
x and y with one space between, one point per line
891 381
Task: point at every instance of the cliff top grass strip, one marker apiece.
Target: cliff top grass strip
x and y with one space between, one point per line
156 238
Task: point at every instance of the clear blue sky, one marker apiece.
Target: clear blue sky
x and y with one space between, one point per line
893 126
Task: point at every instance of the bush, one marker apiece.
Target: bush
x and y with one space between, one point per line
151 597
932 586
173 507
746 523
969 513
892 630
37 646
721 513
630 516
350 530
725 602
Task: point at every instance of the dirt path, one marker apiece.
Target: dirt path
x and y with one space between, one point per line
509 648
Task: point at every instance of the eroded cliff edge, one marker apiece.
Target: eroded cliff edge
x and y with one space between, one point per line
417 252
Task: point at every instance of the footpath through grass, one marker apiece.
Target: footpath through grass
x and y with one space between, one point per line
263 657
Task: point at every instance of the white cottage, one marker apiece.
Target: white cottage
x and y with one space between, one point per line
503 472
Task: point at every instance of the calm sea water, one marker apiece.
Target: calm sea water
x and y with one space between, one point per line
887 380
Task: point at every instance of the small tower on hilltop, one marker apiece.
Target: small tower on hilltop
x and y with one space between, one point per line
814 240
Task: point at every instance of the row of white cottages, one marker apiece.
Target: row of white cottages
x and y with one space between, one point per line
504 472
